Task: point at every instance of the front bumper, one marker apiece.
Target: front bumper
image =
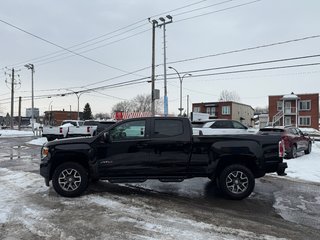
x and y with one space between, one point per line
45 170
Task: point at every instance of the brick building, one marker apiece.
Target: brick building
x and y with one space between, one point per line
300 110
226 110
55 118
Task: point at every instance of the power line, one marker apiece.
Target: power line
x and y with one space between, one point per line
247 49
104 35
221 10
257 69
254 63
201 8
66 49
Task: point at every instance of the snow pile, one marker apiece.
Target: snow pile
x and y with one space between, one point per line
38 141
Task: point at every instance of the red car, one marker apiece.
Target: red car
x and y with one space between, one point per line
294 140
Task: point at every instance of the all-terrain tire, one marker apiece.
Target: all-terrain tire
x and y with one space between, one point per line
236 182
70 179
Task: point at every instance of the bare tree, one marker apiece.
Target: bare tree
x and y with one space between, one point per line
102 116
124 106
226 95
140 103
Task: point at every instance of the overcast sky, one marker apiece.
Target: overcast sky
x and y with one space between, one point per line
116 40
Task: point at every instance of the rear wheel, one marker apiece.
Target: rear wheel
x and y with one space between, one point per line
236 182
308 150
70 179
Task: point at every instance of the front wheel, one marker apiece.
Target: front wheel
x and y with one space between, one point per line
236 182
70 179
293 153
308 150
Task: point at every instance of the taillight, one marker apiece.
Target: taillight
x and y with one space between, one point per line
88 129
61 130
281 148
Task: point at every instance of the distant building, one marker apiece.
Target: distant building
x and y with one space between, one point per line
55 118
300 110
35 112
226 110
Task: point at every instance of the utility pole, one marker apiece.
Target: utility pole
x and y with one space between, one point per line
164 23
11 85
154 24
19 124
12 97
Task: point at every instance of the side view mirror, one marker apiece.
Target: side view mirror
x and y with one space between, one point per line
106 137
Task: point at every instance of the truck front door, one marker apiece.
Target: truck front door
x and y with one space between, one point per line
127 153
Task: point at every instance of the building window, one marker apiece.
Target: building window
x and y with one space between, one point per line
226 110
279 105
305 121
196 109
305 105
211 111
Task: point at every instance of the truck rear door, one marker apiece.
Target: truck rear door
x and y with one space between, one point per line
170 145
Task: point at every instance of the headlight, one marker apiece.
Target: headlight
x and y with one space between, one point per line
44 152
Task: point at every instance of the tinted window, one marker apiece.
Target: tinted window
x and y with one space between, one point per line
222 124
90 123
128 130
167 128
238 125
271 130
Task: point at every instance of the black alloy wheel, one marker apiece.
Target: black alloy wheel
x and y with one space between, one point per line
236 182
70 179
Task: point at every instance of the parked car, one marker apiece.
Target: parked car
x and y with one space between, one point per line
294 139
222 126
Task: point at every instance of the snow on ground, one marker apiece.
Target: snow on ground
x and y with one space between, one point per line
15 133
306 166
20 190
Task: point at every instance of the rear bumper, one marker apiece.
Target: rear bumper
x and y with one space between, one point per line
281 169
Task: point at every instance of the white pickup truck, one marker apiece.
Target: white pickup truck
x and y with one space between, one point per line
61 131
86 129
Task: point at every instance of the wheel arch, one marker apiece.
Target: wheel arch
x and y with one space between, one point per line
63 157
248 161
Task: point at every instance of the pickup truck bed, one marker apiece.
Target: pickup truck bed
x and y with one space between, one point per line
161 148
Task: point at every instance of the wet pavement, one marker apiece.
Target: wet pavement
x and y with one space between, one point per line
279 207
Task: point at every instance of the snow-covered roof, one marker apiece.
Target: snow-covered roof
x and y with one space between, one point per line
290 97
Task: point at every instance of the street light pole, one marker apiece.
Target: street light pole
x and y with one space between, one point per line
50 112
31 67
180 79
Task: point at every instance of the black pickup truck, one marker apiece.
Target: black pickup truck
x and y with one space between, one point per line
160 148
